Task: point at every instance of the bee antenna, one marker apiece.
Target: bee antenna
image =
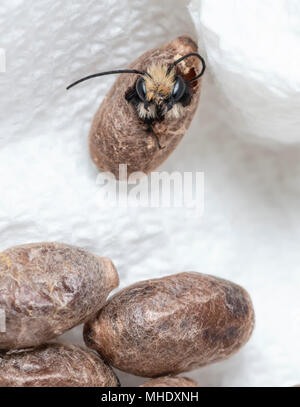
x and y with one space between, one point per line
192 54
106 73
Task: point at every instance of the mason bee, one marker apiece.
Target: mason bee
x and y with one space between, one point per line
159 92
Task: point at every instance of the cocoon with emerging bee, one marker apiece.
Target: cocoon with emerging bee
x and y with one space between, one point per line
148 109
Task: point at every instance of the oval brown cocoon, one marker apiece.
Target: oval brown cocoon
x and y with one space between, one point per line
172 324
48 288
119 136
55 365
170 381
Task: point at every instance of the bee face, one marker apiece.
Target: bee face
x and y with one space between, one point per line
159 91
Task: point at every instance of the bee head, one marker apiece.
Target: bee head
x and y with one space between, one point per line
159 89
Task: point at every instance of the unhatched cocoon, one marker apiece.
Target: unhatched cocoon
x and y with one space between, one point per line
172 324
48 288
55 365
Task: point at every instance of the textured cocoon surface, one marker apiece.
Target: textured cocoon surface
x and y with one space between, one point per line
254 54
55 365
172 325
250 228
48 288
170 381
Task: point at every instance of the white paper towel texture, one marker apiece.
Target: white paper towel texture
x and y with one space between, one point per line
250 229
254 53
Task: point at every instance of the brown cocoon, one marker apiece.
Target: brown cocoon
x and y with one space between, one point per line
48 288
172 324
119 136
55 365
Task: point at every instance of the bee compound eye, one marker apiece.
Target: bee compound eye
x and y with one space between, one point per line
141 89
178 89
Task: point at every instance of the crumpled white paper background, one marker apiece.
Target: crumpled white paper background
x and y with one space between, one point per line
250 229
254 53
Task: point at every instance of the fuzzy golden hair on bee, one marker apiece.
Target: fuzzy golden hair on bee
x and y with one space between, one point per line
159 82
159 92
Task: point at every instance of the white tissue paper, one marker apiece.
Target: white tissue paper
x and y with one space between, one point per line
254 53
250 229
